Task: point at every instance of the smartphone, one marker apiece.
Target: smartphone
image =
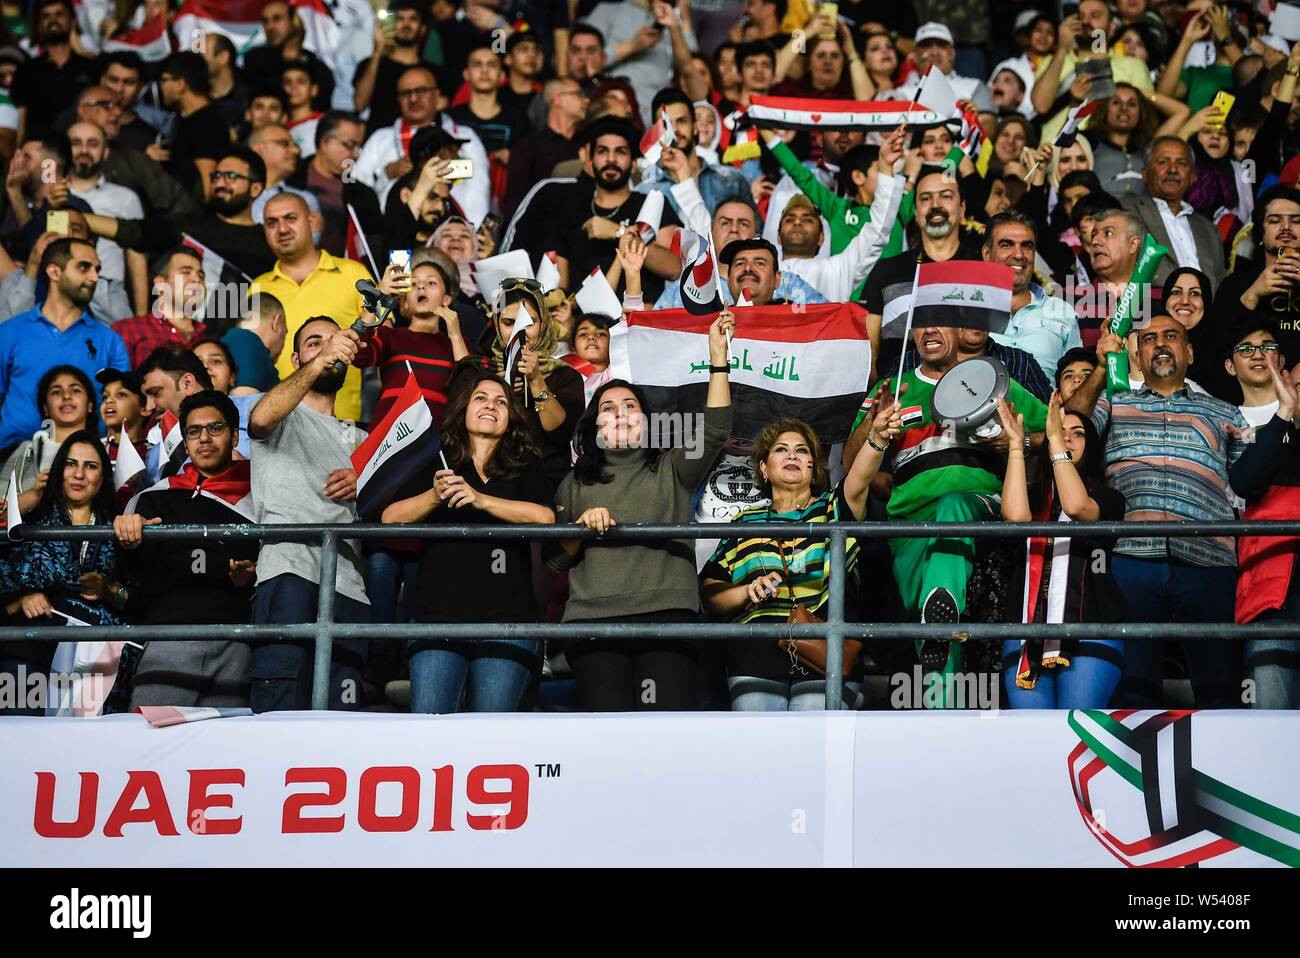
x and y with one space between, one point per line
831 11
460 169
401 258
56 221
1223 103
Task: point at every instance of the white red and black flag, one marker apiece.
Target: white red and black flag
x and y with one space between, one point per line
399 446
151 41
1070 132
810 362
241 20
968 293
797 113
233 488
228 287
699 279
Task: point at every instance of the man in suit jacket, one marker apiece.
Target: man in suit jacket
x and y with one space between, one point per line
1190 238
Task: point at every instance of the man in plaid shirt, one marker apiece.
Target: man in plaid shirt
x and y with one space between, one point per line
179 291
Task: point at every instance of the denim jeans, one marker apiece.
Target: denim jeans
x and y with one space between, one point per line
1274 664
1173 591
388 575
491 676
281 672
751 694
1087 683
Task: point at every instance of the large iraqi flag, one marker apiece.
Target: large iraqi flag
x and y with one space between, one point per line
799 113
241 20
971 294
806 361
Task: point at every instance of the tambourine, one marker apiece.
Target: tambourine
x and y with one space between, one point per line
967 395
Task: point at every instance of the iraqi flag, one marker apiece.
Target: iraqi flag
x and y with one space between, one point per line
241 20
233 488
810 362
151 41
229 287
968 293
797 113
1070 132
402 444
699 279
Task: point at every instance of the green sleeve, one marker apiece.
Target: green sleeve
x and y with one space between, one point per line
907 207
1029 406
831 206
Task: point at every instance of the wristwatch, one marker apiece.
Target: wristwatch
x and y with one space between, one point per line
1062 457
542 396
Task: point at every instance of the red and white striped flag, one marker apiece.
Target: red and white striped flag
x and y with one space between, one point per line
169 429
967 293
699 279
241 20
1070 131
151 41
798 113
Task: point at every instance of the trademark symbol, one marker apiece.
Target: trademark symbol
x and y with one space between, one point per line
546 770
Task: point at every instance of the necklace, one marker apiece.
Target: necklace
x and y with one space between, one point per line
613 214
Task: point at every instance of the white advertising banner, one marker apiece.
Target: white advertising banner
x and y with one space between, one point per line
901 788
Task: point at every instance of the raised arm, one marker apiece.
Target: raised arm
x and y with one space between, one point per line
285 396
885 426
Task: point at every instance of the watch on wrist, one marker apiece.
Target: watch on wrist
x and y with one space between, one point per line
1061 457
542 396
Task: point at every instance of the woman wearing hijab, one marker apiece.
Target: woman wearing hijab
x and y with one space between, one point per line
1188 297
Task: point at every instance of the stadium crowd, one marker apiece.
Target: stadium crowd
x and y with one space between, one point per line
191 202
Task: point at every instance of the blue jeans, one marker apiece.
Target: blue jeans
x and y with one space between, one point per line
389 574
497 672
751 694
1172 591
281 672
1087 683
1274 664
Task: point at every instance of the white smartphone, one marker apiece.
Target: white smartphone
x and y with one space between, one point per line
460 169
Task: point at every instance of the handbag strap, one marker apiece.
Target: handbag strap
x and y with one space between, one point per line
785 568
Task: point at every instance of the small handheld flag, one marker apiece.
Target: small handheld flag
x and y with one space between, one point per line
518 339
403 443
548 273
595 295
651 215
128 464
13 516
699 279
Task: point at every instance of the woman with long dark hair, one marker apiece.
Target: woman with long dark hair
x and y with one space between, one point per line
1121 134
1064 578
1188 296
45 582
65 400
622 477
494 477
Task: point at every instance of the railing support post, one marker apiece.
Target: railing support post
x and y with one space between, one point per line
835 624
320 676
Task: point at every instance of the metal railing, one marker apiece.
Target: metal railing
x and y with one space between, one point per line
834 630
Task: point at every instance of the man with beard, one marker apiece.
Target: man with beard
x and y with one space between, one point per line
226 227
188 582
55 332
1192 239
178 294
888 291
311 284
681 174
835 146
302 473
386 157
1042 325
285 34
86 180
46 85
375 83
588 234
1268 287
1173 452
18 286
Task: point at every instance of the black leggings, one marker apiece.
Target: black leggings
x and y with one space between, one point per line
636 675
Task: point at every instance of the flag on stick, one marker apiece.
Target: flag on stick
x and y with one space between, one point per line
403 443
699 279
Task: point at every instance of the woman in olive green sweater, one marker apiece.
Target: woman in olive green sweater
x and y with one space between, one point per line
620 478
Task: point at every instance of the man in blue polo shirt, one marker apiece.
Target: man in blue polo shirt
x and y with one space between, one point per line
59 330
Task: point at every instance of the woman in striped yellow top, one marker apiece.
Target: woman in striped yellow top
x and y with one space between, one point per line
746 579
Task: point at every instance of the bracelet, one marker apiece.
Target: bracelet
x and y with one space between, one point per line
720 369
1061 457
874 445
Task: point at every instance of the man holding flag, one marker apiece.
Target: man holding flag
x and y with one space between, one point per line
935 472
184 584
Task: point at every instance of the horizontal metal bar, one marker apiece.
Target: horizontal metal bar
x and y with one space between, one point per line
755 631
788 530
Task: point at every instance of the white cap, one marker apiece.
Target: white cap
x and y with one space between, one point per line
1021 68
1026 18
933 31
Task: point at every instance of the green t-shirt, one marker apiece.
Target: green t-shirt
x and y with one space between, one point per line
1203 83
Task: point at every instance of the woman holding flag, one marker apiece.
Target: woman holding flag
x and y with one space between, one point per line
492 475
1061 579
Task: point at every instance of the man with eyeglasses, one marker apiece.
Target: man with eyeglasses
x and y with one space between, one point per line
1268 289
1252 360
1172 452
386 157
339 136
280 154
194 582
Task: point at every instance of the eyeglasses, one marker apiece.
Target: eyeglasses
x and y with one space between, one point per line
417 91
108 104
349 145
216 176
213 429
1249 349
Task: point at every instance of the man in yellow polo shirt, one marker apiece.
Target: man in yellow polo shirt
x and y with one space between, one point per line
310 282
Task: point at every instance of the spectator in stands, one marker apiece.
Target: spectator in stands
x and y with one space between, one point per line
201 135
178 292
266 107
757 64
681 174
309 282
302 472
1075 43
752 578
1189 298
590 356
108 305
299 91
1202 443
230 95
1116 241
47 84
642 44
285 36
585 57
167 376
328 176
493 476
935 47
122 72
59 330
550 391
620 478
523 64
256 343
122 410
538 153
498 123
1191 239
1066 582
831 67
374 86
219 361
1267 286
66 407
36 183
1044 326
1073 370
194 583
280 156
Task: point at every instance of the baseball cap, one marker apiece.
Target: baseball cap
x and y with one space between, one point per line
736 247
1027 18
798 199
127 377
933 31
431 140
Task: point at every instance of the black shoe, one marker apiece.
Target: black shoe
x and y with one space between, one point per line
939 608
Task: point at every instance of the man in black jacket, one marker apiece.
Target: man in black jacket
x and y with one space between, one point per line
339 136
194 582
